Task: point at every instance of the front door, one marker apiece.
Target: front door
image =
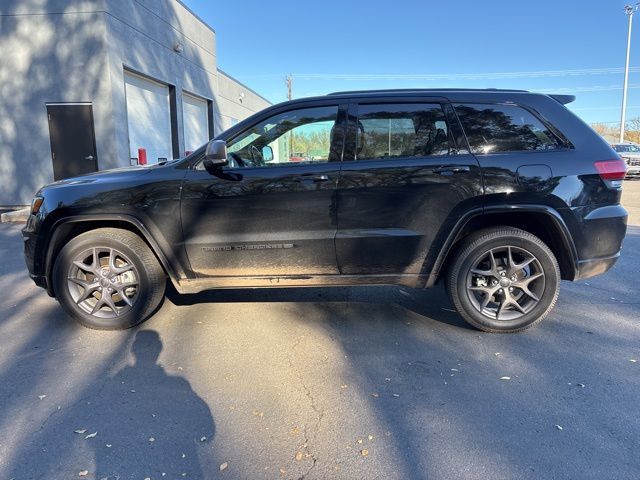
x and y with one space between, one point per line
271 212
409 177
73 144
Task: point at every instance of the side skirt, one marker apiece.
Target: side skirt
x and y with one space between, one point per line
213 283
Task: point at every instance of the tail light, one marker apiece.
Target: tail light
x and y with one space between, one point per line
612 171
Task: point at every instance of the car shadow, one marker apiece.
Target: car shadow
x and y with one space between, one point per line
431 303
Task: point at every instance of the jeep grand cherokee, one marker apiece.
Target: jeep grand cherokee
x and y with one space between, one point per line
499 194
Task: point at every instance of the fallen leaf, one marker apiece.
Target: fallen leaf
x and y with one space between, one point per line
299 456
558 427
91 435
42 397
80 431
223 466
364 452
83 473
505 378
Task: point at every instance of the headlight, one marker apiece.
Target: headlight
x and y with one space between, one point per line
36 203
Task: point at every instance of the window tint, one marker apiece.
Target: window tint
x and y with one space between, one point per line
401 130
296 136
503 128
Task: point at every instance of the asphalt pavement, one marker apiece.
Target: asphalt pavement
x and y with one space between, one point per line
340 383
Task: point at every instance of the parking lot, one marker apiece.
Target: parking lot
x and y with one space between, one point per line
317 383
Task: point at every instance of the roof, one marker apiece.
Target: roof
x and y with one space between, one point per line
425 90
564 99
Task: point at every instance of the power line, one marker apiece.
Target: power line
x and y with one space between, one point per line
454 76
464 76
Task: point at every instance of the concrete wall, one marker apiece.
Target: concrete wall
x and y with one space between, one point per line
77 51
236 101
51 52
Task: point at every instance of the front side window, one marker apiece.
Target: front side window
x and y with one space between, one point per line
503 128
401 130
301 136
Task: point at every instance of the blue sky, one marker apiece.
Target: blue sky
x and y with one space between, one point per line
563 46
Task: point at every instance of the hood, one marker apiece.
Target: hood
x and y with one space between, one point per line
114 174
629 154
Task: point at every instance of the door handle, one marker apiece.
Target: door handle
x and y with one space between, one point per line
312 178
89 157
451 170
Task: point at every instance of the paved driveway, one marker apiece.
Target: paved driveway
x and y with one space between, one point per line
321 383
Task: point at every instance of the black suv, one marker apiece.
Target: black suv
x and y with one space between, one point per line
499 194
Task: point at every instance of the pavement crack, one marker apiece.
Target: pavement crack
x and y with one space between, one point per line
309 438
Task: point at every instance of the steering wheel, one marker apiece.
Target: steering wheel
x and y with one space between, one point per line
256 156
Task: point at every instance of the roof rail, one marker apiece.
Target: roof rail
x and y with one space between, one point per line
410 90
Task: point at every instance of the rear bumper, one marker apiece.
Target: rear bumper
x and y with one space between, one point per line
595 266
599 239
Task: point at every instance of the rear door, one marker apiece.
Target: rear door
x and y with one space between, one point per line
408 178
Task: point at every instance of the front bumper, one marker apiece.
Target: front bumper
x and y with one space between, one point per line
30 244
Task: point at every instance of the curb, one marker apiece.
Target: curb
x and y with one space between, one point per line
16 216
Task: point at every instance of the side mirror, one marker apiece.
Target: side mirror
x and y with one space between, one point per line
215 155
267 153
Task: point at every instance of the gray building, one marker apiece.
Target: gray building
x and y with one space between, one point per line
97 84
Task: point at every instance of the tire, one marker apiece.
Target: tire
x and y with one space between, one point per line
483 290
126 267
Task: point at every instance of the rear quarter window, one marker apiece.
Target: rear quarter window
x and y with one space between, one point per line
504 128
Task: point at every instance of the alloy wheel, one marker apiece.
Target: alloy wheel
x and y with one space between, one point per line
103 282
505 283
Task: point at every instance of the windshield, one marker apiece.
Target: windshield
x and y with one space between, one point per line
626 148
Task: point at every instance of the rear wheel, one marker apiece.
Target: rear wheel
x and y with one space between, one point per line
503 280
108 279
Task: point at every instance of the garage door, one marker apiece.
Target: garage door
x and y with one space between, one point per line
196 124
148 117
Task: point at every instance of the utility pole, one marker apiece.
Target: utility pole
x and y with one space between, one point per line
629 10
289 81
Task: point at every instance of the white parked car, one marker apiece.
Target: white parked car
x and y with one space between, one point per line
630 153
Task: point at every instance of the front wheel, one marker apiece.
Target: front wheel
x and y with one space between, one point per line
108 279
503 280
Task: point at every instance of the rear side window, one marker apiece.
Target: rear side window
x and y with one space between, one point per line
401 130
504 128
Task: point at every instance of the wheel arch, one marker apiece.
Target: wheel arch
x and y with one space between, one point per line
542 221
69 227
